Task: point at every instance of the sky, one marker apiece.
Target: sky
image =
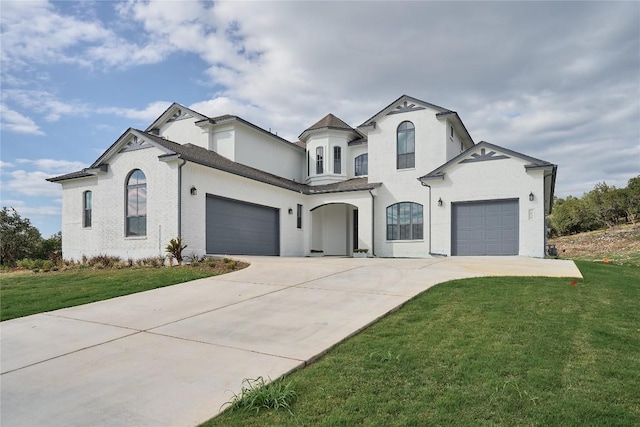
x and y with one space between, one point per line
559 81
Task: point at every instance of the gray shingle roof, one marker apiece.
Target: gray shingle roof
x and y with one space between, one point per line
202 156
329 122
72 175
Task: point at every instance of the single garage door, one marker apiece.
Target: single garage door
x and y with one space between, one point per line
485 228
240 228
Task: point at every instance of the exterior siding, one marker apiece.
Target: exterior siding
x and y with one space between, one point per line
107 234
268 153
218 183
490 180
185 131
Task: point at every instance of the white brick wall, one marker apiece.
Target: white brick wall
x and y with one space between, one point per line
215 182
107 234
490 180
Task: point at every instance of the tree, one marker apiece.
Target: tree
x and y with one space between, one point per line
632 195
606 204
18 238
51 248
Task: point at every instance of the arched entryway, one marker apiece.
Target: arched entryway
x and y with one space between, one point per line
335 228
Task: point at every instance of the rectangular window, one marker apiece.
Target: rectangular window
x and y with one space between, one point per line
319 160
337 160
299 217
451 131
86 209
362 165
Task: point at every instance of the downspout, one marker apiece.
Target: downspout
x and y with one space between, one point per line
373 229
427 185
180 197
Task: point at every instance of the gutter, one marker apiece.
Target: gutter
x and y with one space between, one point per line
184 162
373 228
427 185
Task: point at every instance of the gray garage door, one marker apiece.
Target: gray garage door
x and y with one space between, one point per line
239 228
485 228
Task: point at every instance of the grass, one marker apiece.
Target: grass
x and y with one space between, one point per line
25 293
484 351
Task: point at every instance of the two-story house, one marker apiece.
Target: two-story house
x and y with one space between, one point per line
408 182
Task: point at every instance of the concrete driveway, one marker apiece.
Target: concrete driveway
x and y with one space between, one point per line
174 356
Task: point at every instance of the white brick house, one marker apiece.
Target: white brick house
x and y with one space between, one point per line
408 182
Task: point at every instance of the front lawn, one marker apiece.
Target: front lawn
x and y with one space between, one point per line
487 351
22 294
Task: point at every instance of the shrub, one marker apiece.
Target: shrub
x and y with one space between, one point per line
257 394
175 248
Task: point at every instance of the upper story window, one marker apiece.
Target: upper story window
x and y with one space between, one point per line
337 160
137 204
319 160
406 145
404 221
362 165
451 131
86 209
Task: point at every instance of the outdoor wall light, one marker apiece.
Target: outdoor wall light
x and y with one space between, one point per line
531 196
440 201
290 211
194 191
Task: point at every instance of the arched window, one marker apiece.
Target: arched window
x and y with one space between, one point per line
362 164
406 145
404 221
86 209
136 204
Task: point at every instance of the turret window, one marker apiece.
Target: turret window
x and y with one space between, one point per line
319 160
337 160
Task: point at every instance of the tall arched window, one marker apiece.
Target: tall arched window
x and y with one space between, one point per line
406 144
404 221
86 209
136 204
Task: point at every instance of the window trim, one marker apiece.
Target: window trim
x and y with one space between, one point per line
129 187
364 165
319 160
87 213
395 230
406 159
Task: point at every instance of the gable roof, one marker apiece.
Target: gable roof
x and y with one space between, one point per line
403 98
169 112
534 163
412 104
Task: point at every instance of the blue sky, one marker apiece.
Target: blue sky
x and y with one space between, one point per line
557 81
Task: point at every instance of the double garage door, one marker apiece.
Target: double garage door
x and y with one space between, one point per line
485 228
239 228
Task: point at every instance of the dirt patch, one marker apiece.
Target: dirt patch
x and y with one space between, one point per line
620 245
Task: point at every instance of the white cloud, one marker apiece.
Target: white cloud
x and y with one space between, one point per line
28 211
53 166
151 112
5 165
31 184
16 122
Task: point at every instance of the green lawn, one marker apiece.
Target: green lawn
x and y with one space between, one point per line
24 294
489 351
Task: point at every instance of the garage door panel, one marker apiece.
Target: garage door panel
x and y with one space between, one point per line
238 228
485 228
